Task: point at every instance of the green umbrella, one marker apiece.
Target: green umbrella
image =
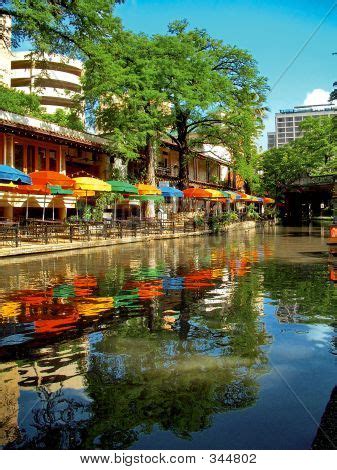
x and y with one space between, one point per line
57 190
122 187
149 197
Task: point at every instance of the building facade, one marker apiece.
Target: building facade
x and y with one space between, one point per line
271 140
30 145
55 79
209 168
287 122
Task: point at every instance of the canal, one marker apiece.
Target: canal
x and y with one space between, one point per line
219 342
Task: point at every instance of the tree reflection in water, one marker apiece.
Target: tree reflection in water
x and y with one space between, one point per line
170 337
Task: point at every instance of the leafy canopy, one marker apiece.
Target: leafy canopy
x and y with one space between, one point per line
184 85
61 26
315 153
18 102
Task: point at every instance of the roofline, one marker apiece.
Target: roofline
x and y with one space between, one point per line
45 126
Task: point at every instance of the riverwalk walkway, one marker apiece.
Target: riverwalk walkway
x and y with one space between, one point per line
54 241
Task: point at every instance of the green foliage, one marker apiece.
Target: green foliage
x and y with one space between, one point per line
185 85
215 92
252 213
123 78
218 222
18 102
312 154
69 119
199 220
67 27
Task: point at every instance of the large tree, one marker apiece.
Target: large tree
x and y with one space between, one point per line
315 153
215 91
124 97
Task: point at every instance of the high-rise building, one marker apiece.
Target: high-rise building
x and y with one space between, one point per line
271 140
55 79
287 122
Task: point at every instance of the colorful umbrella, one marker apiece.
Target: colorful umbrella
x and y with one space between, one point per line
7 173
8 186
168 191
122 187
268 200
234 195
50 178
147 189
214 193
88 183
150 197
197 193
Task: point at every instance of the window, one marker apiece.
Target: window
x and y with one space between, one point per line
41 160
30 158
52 160
18 156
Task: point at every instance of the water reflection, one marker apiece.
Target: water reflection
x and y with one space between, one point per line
103 348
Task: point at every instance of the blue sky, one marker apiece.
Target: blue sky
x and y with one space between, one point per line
273 31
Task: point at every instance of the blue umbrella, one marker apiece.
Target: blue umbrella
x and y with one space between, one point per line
173 283
168 191
7 173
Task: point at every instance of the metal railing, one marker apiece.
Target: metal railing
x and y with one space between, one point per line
34 231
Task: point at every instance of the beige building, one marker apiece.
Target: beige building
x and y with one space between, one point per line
54 78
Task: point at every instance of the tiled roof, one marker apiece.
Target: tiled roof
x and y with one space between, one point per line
40 127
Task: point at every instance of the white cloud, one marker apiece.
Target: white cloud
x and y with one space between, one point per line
317 96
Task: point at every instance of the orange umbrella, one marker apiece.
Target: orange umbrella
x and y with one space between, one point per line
147 189
268 200
32 189
196 193
52 178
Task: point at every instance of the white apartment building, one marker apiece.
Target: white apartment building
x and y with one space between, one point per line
271 136
287 122
54 78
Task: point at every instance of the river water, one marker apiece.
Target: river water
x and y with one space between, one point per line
219 342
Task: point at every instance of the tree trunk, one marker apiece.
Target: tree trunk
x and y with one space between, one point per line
183 169
182 131
151 159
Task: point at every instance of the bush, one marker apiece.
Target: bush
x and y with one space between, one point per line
252 213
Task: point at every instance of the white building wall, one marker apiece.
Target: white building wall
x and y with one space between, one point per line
5 49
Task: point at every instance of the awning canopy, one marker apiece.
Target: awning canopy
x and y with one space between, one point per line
149 197
88 183
268 200
196 193
37 189
52 178
122 187
58 190
233 195
214 193
8 186
147 189
9 174
168 191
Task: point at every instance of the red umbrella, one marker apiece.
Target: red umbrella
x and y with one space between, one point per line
51 178
196 193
